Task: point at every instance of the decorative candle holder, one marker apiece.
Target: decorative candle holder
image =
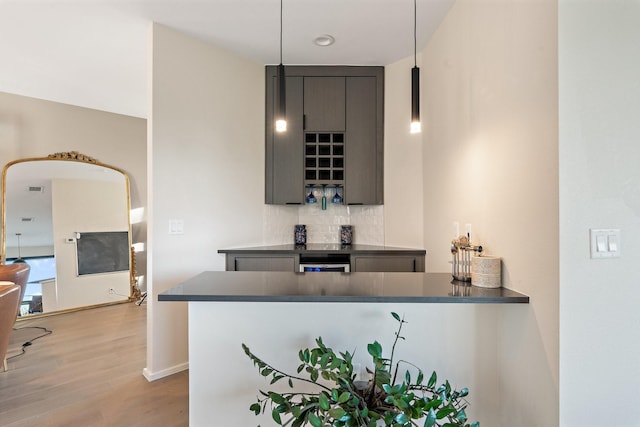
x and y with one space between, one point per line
461 250
300 234
346 234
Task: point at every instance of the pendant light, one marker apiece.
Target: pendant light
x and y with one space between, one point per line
19 259
281 116
416 127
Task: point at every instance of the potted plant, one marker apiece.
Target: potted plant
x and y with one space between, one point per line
389 398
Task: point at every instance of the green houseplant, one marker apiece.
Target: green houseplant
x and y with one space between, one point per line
389 398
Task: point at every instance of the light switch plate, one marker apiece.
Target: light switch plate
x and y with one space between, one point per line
605 242
176 226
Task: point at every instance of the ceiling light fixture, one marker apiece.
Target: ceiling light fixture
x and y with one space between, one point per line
416 127
324 40
281 112
19 259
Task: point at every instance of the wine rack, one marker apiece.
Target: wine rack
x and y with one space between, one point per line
324 158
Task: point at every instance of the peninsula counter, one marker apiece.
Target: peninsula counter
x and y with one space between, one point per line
251 286
451 328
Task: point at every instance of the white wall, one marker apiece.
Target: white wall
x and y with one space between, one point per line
403 183
206 167
489 97
599 188
89 206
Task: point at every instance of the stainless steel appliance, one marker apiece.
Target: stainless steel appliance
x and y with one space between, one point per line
316 268
324 263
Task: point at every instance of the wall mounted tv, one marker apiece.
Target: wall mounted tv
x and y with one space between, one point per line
102 252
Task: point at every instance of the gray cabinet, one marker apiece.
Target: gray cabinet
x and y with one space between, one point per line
363 148
382 263
334 134
284 150
241 262
324 103
256 259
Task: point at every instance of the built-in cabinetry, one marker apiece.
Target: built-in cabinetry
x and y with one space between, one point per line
334 134
389 263
251 262
361 258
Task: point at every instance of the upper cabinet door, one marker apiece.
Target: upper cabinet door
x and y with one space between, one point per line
363 143
324 104
284 150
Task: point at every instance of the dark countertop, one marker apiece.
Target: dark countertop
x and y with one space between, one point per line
252 286
324 248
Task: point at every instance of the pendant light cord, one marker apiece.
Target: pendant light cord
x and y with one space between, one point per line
19 252
415 31
281 31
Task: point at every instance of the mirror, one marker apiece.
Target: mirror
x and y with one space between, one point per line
67 215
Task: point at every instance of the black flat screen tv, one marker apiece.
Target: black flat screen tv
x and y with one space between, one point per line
102 252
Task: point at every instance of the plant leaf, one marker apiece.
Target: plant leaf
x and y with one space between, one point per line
345 396
375 349
335 363
396 316
315 420
323 400
277 398
276 417
255 408
433 404
401 418
444 412
432 379
337 413
430 421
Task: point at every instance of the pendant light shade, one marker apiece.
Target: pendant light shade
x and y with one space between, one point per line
415 100
19 259
416 127
281 110
281 113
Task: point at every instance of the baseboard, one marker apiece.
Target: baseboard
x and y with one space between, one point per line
152 376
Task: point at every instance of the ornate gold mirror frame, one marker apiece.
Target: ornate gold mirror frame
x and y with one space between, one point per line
74 157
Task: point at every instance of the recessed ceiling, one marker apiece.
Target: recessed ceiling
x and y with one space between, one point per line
93 53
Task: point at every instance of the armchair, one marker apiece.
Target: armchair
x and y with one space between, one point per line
18 273
9 303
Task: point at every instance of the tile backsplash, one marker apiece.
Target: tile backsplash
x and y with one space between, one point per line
324 226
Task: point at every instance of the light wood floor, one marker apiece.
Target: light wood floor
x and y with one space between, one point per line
88 372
